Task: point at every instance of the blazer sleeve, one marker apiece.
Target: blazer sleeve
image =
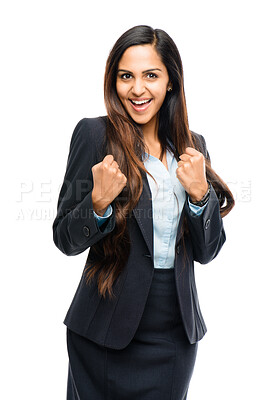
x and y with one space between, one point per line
206 230
75 227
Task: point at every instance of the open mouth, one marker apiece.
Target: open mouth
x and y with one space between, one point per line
140 105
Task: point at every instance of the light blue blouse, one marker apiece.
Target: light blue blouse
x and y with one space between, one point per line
168 198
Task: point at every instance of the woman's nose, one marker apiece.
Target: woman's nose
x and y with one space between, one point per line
138 87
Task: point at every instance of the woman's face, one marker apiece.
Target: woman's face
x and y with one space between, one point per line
142 83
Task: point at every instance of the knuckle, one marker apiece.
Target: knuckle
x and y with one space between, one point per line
123 178
120 174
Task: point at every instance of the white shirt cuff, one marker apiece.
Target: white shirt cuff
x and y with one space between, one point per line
101 219
196 209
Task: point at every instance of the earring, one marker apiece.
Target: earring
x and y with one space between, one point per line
169 89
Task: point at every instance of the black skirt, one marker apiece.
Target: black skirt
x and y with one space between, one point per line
157 364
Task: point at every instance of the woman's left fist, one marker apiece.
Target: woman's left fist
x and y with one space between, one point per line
191 172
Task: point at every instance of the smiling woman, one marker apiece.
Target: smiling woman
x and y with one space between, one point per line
152 206
142 82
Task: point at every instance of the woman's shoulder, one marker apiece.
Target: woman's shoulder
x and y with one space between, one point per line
90 129
199 142
92 124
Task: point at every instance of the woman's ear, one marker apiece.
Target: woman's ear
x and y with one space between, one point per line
169 88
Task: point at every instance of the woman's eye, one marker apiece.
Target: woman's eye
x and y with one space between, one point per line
126 76
151 75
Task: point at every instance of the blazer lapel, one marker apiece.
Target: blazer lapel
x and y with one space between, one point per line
179 229
143 213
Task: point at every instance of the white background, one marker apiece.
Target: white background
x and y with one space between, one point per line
53 60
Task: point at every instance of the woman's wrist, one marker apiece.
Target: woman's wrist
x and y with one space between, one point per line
203 200
99 206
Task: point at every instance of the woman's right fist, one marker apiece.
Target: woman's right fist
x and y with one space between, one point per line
108 183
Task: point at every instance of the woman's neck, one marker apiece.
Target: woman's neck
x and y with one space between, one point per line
150 132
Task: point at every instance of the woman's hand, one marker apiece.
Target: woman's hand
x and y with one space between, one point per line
108 183
191 172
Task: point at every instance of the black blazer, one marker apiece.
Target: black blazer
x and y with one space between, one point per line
113 323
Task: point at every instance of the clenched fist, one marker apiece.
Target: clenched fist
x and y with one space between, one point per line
191 172
108 183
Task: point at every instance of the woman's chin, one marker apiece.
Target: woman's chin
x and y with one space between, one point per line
141 119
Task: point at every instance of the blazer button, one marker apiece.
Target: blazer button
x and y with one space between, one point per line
86 231
207 224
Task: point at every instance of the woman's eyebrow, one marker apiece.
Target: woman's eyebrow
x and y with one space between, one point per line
147 70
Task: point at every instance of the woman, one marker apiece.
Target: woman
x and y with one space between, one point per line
140 192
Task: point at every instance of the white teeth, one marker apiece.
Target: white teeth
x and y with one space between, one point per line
140 102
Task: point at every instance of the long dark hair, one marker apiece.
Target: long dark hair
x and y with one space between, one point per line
125 141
